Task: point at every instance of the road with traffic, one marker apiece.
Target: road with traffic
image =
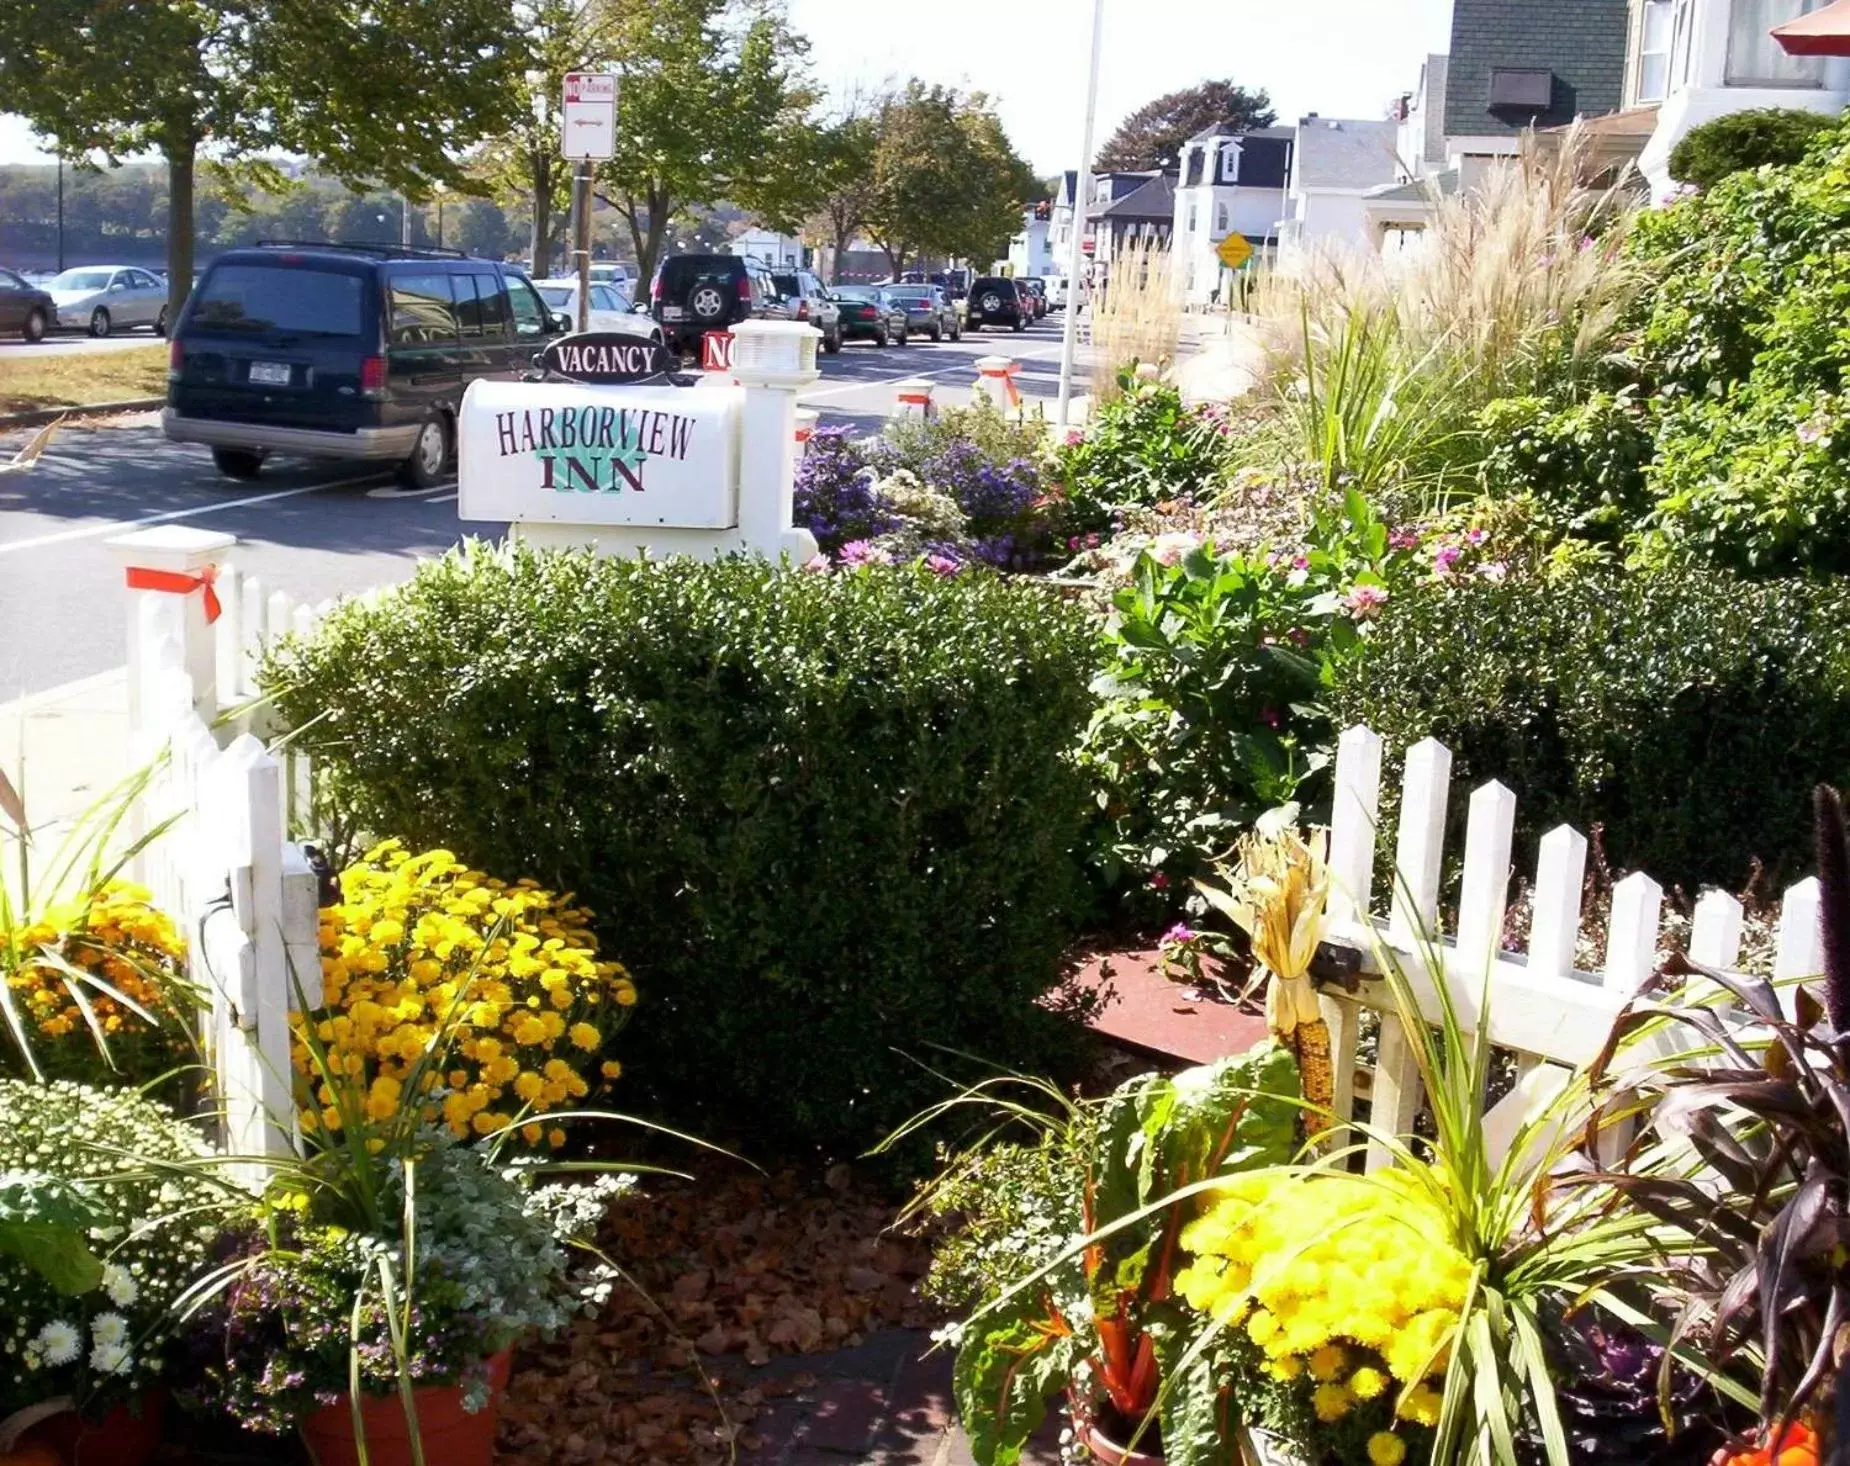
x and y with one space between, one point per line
73 343
316 529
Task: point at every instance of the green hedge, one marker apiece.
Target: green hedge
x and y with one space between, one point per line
1687 713
1742 140
826 819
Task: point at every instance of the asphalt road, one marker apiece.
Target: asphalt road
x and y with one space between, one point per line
68 343
314 529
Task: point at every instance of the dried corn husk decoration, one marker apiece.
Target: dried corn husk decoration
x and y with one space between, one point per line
1279 891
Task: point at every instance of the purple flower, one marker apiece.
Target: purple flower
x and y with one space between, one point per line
1300 562
1092 541
1179 935
834 491
1072 543
1444 558
1404 539
1476 536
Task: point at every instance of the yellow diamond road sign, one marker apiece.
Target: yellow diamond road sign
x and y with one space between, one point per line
1234 251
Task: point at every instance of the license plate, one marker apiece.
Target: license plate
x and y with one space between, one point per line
673 313
270 373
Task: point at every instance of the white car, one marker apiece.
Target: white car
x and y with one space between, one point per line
104 298
603 272
1056 292
610 309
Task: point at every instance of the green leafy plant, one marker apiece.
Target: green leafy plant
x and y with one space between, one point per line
1100 1319
823 817
1740 141
1211 696
102 1227
1572 688
1582 465
1141 448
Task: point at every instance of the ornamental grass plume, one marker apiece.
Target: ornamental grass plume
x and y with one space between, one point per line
1278 895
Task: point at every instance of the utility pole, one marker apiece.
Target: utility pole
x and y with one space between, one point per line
581 239
1069 334
404 219
60 213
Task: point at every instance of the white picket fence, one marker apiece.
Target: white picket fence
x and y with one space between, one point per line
1550 1014
230 807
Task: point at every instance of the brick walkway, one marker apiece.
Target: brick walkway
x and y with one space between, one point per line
885 1403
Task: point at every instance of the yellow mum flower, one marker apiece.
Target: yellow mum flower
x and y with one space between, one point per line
1386 1449
1331 1402
584 1036
611 1069
1327 1363
528 1085
1367 1383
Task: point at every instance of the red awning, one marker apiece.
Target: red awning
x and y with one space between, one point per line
1824 32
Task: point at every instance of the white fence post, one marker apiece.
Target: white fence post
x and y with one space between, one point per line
912 397
170 572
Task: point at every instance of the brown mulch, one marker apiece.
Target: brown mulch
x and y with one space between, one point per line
736 1277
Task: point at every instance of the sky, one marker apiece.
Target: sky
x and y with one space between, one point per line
1342 58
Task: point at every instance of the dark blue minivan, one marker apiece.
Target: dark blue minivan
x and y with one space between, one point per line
345 351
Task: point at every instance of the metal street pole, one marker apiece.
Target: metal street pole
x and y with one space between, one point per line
61 213
1069 335
404 219
581 240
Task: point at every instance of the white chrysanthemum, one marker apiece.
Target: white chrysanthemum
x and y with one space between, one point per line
109 1328
111 1359
59 1342
120 1285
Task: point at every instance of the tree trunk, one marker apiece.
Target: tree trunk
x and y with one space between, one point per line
841 248
540 245
179 225
649 243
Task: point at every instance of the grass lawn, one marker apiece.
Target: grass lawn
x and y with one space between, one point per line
78 378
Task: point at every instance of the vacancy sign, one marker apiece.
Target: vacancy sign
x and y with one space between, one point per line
589 120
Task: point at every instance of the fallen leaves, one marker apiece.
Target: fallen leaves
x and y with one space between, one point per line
737 1274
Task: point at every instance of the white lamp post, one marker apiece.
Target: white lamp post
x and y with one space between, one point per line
1069 334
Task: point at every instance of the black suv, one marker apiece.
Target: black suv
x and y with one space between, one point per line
694 294
344 351
995 301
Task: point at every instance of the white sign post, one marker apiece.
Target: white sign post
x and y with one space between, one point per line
588 123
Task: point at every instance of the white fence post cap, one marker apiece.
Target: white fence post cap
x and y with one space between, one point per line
991 365
172 547
775 354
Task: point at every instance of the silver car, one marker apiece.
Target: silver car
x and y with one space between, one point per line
928 311
105 298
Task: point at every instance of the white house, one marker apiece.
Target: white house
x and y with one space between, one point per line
1335 163
1701 59
775 251
1230 182
1031 252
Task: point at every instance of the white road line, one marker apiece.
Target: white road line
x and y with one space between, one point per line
93 531
444 499
968 364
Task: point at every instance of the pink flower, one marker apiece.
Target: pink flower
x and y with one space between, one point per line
942 565
1404 539
1072 543
1159 880
863 552
1814 431
1363 601
1477 536
1092 542
1444 558
1074 436
817 563
1300 562
1495 571
1269 716
1179 935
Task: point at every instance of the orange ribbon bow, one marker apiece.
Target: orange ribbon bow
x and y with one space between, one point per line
178 583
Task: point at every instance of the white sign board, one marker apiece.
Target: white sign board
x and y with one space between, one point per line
572 453
588 122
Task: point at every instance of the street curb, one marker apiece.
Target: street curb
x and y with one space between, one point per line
39 416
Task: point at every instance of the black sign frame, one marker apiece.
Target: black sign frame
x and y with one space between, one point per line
607 359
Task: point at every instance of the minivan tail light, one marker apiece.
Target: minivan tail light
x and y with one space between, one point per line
372 374
802 310
745 290
176 360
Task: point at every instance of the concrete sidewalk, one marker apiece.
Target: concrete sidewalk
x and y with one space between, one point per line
64 749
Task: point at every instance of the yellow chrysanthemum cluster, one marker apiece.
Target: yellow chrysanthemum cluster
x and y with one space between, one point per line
423 954
1350 1288
114 935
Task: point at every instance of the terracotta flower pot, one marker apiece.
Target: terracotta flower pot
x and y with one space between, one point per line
1108 1452
451 1435
120 1438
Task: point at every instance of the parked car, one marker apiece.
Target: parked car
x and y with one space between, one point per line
1037 293
869 313
809 300
344 351
1056 292
25 308
608 272
697 293
928 310
956 283
104 298
610 309
995 301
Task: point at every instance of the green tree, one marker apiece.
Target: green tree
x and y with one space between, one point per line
844 164
711 105
1152 136
381 91
1742 140
946 181
482 229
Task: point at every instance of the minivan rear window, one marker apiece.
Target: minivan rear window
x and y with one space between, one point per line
282 298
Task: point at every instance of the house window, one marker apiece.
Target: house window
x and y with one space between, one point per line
1655 30
1191 218
1755 58
1220 218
